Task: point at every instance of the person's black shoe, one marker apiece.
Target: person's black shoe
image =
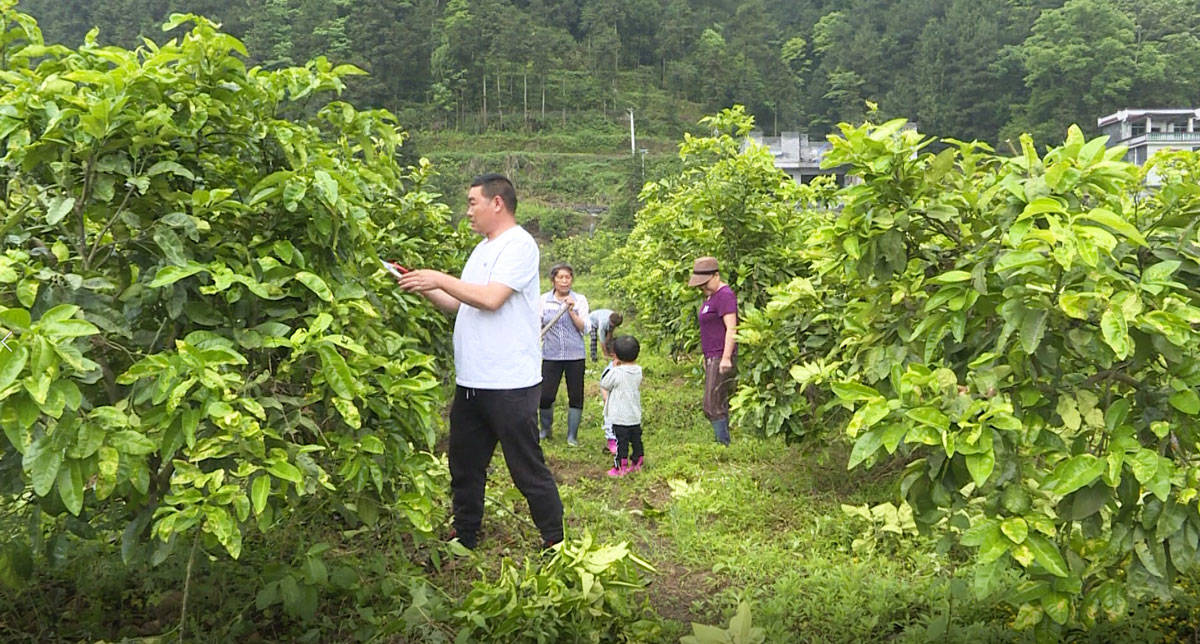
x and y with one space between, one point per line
468 541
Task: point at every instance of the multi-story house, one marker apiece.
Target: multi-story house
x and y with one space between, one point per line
1146 131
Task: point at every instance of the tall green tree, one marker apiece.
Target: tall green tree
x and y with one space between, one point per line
959 88
1079 64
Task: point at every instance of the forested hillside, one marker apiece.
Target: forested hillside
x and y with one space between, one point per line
985 69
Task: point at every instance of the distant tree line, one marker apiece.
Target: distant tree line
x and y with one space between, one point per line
984 69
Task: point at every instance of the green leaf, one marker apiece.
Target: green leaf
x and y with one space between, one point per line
59 208
705 634
891 435
864 447
285 470
1160 272
11 363
315 284
172 167
259 491
108 463
15 319
1144 464
42 461
853 391
951 277
348 411
327 186
979 532
170 274
1027 617
27 292
1074 473
371 444
1015 259
867 415
1041 205
72 328
171 246
1047 554
70 486
1075 304
993 545
1186 401
980 466
337 373
1117 223
1088 501
131 442
1151 556
930 417
1033 326
1057 607
88 440
1160 485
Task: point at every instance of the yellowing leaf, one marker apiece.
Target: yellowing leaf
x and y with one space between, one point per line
1116 333
1117 223
1015 529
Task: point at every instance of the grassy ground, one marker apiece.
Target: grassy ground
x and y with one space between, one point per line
758 520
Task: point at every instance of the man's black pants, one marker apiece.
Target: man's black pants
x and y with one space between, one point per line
479 418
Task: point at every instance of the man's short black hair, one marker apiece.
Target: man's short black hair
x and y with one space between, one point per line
626 348
615 320
497 184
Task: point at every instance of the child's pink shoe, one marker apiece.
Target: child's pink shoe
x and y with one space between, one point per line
637 465
620 470
612 445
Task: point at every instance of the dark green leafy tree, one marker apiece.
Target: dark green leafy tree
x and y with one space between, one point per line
271 35
969 70
959 89
1080 62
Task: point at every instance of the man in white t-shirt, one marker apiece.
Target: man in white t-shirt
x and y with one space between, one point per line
497 362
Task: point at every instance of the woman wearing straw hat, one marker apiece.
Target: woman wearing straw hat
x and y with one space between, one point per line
718 341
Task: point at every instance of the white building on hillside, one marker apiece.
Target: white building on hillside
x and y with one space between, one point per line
799 157
1146 131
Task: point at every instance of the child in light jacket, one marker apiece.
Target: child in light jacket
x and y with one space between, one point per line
621 386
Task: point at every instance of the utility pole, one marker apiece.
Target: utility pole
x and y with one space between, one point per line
632 140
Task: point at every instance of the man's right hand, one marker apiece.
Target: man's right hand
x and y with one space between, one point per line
420 280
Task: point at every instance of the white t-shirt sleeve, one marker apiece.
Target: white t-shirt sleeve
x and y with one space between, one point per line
517 264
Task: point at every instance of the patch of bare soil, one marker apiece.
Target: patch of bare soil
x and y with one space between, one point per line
676 591
591 464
